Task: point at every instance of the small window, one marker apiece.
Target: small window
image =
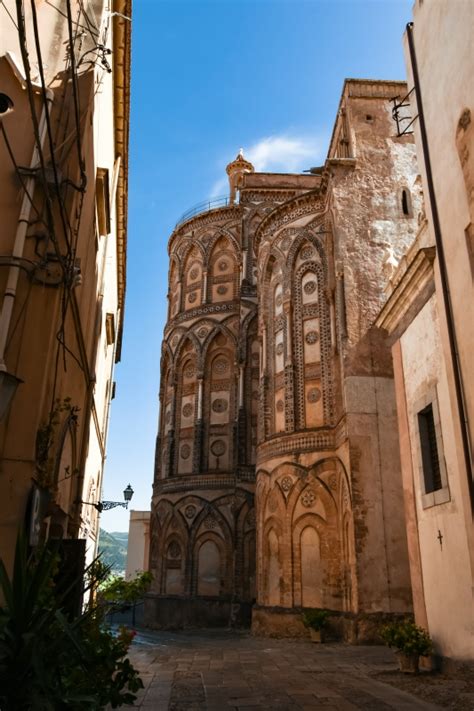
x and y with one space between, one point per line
406 202
102 201
110 329
429 450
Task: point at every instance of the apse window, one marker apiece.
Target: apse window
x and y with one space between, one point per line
432 468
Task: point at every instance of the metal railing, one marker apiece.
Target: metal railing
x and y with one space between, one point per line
203 207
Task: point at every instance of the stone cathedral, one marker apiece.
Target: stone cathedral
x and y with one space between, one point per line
277 476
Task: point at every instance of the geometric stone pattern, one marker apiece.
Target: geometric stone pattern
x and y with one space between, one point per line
253 434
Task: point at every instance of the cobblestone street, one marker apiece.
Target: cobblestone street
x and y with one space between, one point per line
217 670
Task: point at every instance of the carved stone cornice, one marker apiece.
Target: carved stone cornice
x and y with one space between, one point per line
410 294
254 195
191 483
204 310
296 443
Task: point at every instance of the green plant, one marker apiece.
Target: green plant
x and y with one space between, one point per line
316 619
47 661
125 592
407 637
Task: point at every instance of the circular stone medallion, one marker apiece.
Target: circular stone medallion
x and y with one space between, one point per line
192 297
220 366
307 253
220 405
174 550
310 287
313 395
280 405
286 483
222 265
222 289
279 349
308 498
202 333
189 372
185 451
194 273
187 410
218 448
190 511
311 337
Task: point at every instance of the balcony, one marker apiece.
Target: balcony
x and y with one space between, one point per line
203 208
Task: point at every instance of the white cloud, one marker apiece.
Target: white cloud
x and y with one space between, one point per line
279 154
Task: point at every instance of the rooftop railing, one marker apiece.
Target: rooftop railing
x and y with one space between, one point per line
203 207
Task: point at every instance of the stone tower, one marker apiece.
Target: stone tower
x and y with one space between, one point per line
277 474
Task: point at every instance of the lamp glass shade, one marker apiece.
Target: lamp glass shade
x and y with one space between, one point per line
128 493
8 386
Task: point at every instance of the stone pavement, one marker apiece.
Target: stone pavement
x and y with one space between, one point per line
214 670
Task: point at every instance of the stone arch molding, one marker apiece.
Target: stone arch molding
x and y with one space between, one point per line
308 510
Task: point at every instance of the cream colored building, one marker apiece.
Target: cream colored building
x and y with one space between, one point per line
63 206
435 403
138 548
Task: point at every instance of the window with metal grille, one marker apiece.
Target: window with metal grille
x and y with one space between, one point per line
429 450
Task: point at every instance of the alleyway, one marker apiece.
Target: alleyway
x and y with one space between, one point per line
220 671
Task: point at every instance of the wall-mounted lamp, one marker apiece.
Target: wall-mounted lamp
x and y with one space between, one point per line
106 505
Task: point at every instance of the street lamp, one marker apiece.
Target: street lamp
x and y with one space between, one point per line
107 505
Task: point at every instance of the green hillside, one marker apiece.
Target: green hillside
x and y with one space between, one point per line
113 550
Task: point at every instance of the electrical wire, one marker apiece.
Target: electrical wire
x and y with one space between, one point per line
9 14
17 170
75 95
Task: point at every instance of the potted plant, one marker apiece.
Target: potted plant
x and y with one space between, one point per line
315 620
409 641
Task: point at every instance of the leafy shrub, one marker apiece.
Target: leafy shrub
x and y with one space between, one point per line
316 619
49 662
407 637
125 592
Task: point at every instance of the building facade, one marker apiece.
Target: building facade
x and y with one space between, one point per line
277 474
64 80
433 336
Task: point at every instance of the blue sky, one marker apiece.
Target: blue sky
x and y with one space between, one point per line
207 79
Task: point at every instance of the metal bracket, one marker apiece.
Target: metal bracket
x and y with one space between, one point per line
403 128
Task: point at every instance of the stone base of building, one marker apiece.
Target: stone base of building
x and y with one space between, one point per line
176 612
349 627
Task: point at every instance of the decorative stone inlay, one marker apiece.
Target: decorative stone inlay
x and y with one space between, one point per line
222 265
285 244
333 481
279 300
174 342
310 287
311 337
286 483
194 273
174 550
220 405
189 372
192 297
313 395
190 511
222 289
202 333
308 498
210 522
279 349
218 447
221 366
307 253
280 405
185 451
187 410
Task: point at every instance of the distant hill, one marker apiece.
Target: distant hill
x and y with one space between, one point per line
113 550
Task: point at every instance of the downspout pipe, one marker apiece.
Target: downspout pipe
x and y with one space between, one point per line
24 217
457 372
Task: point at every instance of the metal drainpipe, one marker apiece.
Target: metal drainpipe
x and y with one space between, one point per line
23 219
461 404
